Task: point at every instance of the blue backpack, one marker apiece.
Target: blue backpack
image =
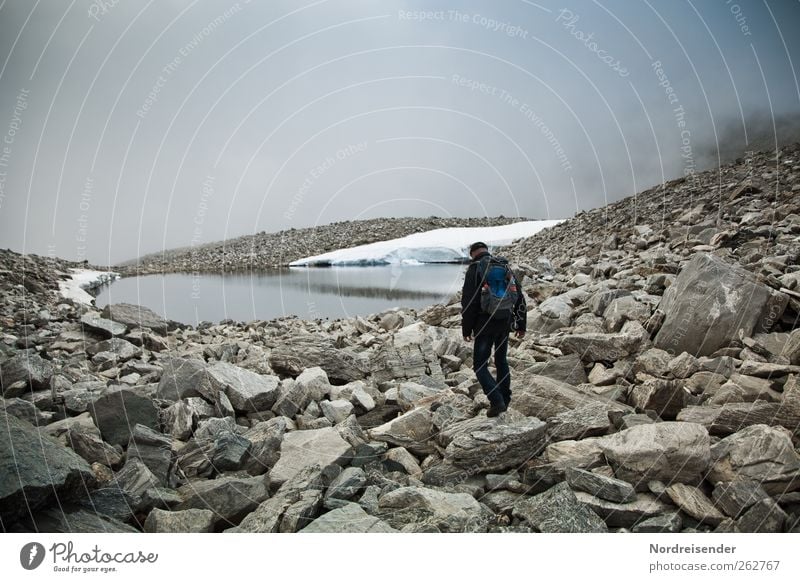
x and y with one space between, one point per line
499 289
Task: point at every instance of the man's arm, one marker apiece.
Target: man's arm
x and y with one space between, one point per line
469 302
520 309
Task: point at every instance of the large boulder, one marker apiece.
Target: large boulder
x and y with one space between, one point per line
119 410
35 469
759 453
545 397
246 390
558 510
230 498
413 430
135 316
341 365
496 445
604 347
185 377
432 510
25 367
305 448
711 303
102 326
664 451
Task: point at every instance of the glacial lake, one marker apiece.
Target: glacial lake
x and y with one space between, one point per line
307 292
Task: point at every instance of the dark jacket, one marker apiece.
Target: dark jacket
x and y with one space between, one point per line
473 320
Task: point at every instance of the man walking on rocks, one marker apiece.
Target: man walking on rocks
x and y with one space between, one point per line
492 303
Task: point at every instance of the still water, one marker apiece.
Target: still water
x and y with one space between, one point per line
309 293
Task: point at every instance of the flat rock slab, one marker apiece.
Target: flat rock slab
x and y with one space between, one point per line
600 486
623 514
135 316
664 451
29 368
104 327
350 518
230 498
304 448
693 502
495 446
558 510
35 469
439 510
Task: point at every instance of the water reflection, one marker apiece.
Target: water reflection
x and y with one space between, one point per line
311 293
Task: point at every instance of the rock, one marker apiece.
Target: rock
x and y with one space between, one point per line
664 523
446 512
35 469
604 347
229 452
113 502
558 510
683 365
409 393
544 397
589 419
550 315
347 485
567 369
600 301
694 503
350 518
340 365
123 350
305 448
336 410
494 445
764 516
399 459
757 453
135 316
154 450
246 390
229 498
25 410
186 521
105 327
265 448
644 506
735 497
135 479
118 410
600 486
71 519
407 361
710 302
31 370
668 451
664 397
295 504
413 430
624 309
179 419
185 377
791 350
92 448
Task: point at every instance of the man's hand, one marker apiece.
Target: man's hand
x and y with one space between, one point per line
467 338
520 334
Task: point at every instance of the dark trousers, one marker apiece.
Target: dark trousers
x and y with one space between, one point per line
498 390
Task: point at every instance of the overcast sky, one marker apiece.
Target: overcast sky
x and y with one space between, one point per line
131 126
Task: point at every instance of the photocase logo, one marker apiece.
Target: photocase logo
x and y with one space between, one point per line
31 555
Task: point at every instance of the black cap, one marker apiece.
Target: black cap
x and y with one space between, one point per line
477 245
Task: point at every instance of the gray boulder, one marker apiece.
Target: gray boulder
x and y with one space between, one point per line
186 521
304 448
349 518
246 390
558 510
710 303
135 316
119 410
35 469
33 371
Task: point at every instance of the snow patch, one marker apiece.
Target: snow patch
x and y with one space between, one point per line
442 245
82 279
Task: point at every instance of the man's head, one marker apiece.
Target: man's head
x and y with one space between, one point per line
477 249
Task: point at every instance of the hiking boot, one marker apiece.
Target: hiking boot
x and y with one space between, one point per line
495 411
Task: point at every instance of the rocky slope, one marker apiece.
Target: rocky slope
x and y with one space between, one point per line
278 249
655 391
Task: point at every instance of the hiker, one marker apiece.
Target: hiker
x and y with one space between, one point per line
492 304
